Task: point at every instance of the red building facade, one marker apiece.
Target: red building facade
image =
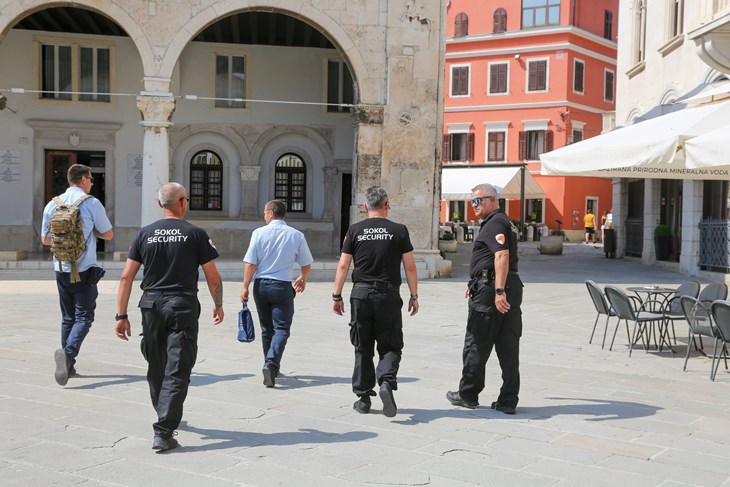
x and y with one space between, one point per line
525 77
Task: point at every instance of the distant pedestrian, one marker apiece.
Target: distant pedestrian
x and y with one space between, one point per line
77 297
590 225
171 250
377 246
495 296
269 262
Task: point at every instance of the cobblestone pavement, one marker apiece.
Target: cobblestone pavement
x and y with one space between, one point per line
587 416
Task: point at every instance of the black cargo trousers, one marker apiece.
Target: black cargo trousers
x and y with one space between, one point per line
375 316
170 346
487 328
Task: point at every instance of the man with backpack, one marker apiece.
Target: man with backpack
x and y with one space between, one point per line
71 224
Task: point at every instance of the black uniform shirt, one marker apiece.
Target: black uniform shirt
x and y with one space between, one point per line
171 251
496 233
377 246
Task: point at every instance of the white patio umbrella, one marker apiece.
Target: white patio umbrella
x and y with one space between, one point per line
654 148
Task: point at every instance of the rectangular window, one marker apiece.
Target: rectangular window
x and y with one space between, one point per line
578 75
495 146
94 76
340 87
577 136
540 13
537 75
459 80
677 13
230 81
608 86
56 72
498 78
458 147
535 142
608 25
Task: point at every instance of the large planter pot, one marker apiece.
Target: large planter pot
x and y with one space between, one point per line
662 245
447 245
551 244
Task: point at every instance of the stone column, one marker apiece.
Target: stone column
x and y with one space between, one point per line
330 189
692 192
156 115
368 121
249 192
652 196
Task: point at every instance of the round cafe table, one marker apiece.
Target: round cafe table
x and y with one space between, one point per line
658 297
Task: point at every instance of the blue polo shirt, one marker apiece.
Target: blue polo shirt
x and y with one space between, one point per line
275 248
93 216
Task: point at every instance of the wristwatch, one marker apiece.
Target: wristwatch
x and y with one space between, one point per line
120 317
499 291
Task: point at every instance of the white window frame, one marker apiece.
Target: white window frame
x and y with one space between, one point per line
547 74
671 18
451 80
613 87
489 77
340 86
75 43
496 127
458 128
577 61
246 82
577 126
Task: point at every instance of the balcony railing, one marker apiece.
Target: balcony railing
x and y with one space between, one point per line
715 245
634 237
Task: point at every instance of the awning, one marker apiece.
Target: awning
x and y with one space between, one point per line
653 149
457 181
710 152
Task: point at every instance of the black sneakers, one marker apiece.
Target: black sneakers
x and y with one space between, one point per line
362 405
386 395
503 408
62 367
269 376
456 399
161 444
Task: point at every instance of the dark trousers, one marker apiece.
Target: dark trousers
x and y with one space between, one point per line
78 302
170 346
486 328
375 316
275 307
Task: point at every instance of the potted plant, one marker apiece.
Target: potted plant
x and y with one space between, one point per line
447 242
559 233
456 217
662 241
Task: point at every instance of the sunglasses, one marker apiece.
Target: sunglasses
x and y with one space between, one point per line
186 198
477 201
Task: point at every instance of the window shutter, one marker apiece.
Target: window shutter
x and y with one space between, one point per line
502 83
523 146
500 21
446 148
541 75
492 146
500 146
494 78
470 147
548 140
608 88
531 77
578 77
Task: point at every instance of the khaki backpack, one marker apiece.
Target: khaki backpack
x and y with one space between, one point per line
67 233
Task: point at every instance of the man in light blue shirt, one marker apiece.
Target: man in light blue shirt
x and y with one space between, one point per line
269 262
77 299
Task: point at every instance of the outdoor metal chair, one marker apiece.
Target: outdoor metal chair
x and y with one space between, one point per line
714 291
629 308
700 324
721 318
672 308
602 308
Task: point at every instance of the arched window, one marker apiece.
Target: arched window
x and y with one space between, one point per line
500 21
206 182
461 25
290 182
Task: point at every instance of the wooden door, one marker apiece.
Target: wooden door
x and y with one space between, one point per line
57 164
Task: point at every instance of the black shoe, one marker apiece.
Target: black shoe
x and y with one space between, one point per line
72 372
163 444
269 375
362 405
386 395
503 408
456 399
62 366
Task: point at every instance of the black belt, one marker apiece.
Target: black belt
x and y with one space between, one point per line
488 274
375 284
171 293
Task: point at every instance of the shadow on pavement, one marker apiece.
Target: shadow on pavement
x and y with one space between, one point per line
300 381
117 380
238 439
204 379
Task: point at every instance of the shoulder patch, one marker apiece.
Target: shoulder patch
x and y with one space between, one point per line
500 238
210 241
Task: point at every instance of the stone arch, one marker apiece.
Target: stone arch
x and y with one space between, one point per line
714 76
310 145
669 96
633 114
309 14
16 11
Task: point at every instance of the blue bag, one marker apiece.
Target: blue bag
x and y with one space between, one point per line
246 331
